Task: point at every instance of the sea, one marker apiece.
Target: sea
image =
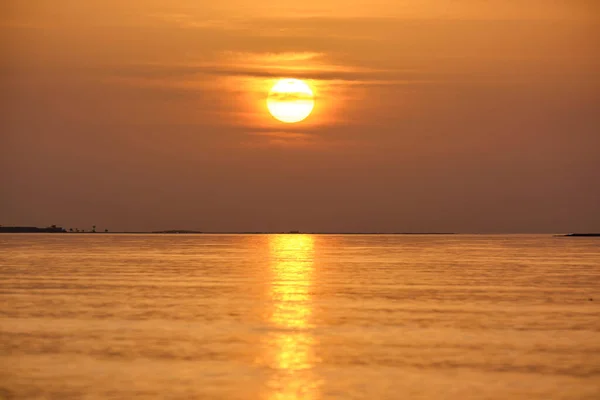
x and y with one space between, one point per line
295 316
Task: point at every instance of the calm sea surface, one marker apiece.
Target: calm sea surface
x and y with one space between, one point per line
299 317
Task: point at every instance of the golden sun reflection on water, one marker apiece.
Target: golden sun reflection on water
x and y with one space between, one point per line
291 345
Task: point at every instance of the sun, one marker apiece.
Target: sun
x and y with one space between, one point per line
290 100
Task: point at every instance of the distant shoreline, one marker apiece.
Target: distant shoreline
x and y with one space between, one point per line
190 232
58 229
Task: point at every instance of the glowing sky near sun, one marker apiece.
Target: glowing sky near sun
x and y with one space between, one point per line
430 115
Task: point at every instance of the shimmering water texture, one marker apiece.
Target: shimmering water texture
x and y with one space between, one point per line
299 317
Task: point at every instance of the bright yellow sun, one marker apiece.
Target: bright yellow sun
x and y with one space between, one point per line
290 101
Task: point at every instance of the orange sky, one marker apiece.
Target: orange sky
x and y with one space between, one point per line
446 115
